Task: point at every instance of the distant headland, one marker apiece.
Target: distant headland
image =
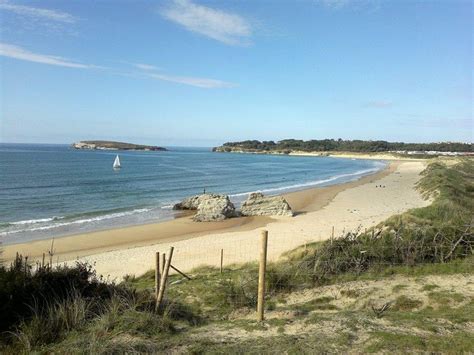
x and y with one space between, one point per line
331 146
110 145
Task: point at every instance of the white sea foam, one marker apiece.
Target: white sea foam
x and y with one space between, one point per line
33 221
310 183
74 222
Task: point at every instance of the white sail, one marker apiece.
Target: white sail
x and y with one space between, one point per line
117 163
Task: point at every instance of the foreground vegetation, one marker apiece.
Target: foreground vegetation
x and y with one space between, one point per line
390 289
327 145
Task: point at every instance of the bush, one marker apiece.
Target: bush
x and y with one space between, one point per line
50 321
24 293
71 305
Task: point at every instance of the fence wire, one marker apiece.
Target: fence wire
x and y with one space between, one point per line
316 263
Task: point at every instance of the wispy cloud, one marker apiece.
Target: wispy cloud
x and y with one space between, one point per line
153 72
222 26
38 13
378 104
145 66
12 51
193 81
146 70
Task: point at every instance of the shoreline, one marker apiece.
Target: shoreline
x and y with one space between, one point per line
362 204
334 154
168 215
180 228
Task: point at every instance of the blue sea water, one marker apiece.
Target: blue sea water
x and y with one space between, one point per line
53 190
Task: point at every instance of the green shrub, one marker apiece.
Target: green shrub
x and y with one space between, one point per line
23 292
51 320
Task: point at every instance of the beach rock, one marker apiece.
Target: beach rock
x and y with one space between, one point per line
213 207
192 203
259 205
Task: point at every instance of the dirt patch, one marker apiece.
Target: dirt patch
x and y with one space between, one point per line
346 308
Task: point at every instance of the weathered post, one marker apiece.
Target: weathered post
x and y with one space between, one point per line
222 258
164 278
261 275
157 273
163 261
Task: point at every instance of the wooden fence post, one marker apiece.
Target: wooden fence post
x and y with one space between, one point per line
222 258
164 278
157 273
180 272
261 275
163 261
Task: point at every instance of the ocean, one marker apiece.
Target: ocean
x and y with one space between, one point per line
53 190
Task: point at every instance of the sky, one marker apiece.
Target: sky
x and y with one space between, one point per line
200 73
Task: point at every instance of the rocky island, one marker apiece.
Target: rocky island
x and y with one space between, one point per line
111 145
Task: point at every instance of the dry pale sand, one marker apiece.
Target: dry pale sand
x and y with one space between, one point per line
80 245
354 155
346 155
363 205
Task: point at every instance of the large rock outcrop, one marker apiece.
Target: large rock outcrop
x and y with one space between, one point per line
209 207
214 208
192 203
259 205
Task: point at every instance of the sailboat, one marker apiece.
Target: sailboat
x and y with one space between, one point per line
117 163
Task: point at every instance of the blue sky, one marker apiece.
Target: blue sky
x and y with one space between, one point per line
199 73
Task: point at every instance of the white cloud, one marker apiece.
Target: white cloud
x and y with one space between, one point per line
193 81
153 72
149 71
222 26
145 66
38 13
12 51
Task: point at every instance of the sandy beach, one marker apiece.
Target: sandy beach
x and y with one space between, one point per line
359 204
336 154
